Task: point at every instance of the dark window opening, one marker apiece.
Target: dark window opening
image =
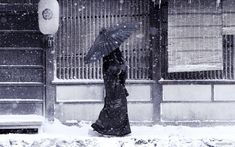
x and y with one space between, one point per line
19 131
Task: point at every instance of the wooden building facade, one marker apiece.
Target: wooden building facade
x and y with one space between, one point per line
180 61
79 87
197 66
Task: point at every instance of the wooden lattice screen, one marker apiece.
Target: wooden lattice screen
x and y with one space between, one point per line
81 21
194 36
220 17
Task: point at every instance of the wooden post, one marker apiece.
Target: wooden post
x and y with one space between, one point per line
49 75
157 46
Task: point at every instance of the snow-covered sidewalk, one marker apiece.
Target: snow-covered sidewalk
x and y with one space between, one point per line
81 135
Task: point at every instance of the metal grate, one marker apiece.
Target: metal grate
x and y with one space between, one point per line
81 21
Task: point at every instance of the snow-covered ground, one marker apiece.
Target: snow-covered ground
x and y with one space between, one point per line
81 135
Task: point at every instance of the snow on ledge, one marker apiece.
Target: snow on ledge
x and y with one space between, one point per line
97 81
21 120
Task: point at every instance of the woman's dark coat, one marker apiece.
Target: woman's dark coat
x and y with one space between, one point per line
113 118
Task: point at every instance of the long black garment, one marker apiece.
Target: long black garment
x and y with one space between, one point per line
113 118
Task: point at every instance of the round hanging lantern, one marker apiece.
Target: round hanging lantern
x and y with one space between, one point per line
48 16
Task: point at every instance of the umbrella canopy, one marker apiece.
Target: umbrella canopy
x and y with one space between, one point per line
108 40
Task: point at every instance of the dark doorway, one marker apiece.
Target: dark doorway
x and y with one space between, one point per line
19 131
22 62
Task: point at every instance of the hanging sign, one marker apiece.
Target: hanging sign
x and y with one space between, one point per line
48 16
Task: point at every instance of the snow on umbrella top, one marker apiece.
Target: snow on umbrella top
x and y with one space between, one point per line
108 40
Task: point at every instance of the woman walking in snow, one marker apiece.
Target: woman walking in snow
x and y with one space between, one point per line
113 118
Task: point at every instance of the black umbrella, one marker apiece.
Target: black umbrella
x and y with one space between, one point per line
108 40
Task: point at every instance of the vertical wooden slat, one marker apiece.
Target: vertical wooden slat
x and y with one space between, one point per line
75 39
88 33
69 55
91 66
131 43
80 22
218 74
129 46
138 39
82 31
64 40
140 49
73 31
59 55
79 38
95 26
143 41
87 28
92 3
147 40
197 29
135 43
81 41
93 35
97 64
71 37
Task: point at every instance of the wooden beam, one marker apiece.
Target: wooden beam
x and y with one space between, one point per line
50 88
